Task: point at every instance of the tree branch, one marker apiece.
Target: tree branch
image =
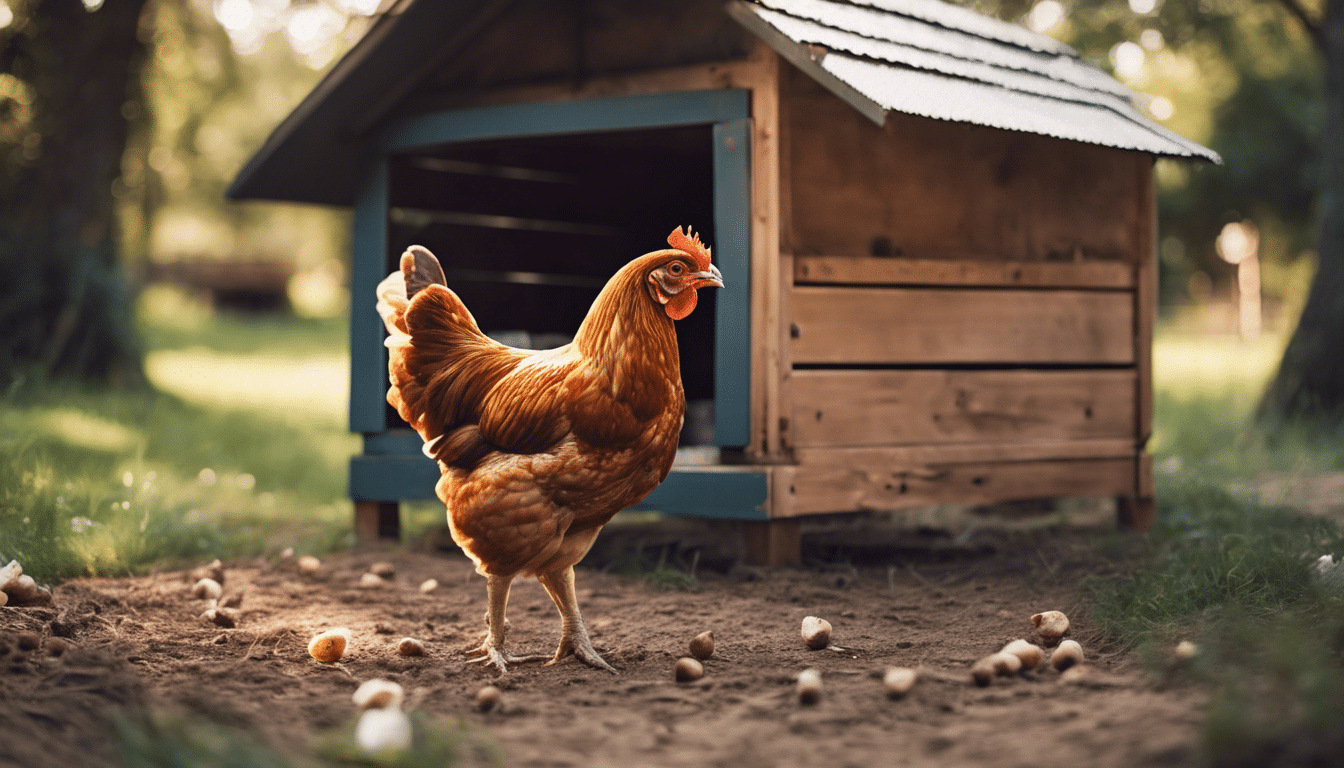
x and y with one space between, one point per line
1311 25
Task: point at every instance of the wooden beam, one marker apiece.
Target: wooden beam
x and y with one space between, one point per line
914 457
962 271
838 487
376 521
935 325
882 408
767 286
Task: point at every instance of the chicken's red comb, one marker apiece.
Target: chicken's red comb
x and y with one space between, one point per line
690 243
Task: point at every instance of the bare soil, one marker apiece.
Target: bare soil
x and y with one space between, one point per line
139 644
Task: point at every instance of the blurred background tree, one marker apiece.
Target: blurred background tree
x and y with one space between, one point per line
121 123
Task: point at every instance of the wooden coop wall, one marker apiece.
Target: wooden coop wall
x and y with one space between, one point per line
969 311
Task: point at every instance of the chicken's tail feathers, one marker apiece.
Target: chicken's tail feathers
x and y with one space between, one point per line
420 269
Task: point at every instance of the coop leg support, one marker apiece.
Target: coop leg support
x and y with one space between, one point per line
772 542
376 521
1135 513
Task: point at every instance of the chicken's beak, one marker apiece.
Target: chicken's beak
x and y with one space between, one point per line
712 277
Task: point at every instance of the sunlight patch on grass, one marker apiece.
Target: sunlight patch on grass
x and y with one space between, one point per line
81 430
297 387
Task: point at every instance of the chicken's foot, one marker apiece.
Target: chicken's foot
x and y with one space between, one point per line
573 634
491 650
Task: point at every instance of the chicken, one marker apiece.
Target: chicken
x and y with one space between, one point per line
539 449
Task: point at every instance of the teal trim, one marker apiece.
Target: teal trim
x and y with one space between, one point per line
739 495
732 254
368 357
394 441
621 113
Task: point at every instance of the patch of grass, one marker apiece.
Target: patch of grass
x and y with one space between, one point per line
104 482
1229 569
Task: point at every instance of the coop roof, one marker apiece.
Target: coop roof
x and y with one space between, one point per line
921 57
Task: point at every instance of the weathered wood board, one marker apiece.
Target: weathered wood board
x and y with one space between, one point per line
933 325
963 271
929 188
840 487
893 407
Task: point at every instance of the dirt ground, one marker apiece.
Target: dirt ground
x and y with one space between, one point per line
928 602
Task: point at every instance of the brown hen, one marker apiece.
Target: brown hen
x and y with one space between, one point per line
539 449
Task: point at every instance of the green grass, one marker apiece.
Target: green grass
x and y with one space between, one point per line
97 482
1227 566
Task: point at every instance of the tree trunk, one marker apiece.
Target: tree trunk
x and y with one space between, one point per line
1310 380
65 306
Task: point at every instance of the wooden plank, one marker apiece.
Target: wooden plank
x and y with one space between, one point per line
368 357
933 325
766 318
871 270
853 408
1145 297
734 252
837 487
920 187
917 457
611 114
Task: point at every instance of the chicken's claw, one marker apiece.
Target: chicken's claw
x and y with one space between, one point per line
489 655
579 646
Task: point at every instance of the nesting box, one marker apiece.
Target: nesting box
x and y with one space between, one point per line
937 232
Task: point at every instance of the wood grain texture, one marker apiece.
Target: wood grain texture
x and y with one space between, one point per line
840 487
919 186
962 271
857 408
932 325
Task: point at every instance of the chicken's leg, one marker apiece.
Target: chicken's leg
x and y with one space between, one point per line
492 649
573 635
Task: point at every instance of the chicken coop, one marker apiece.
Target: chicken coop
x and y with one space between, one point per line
936 230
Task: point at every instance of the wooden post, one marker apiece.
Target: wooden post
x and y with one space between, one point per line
376 521
775 543
1139 511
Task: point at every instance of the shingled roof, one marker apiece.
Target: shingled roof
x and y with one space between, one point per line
921 57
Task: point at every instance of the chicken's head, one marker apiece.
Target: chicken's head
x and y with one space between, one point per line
673 280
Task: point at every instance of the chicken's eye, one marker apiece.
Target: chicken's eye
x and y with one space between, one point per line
675 269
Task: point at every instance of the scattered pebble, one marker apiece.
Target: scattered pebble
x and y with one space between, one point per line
207 589
1185 651
983 671
286 553
383 570
370 580
1076 674
28 641
702 645
1031 656
22 590
688 670
221 617
57 646
898 681
9 574
377 694
409 646
329 646
488 698
213 570
380 730
816 633
309 564
429 585
1068 654
1051 626
1005 664
809 686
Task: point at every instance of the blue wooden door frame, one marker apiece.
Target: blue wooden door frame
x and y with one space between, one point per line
392 466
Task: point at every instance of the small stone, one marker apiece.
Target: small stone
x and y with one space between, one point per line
702 645
428 585
383 570
369 581
57 646
809 686
488 698
28 641
207 589
213 570
898 681
309 565
329 646
816 633
688 670
409 646
221 617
